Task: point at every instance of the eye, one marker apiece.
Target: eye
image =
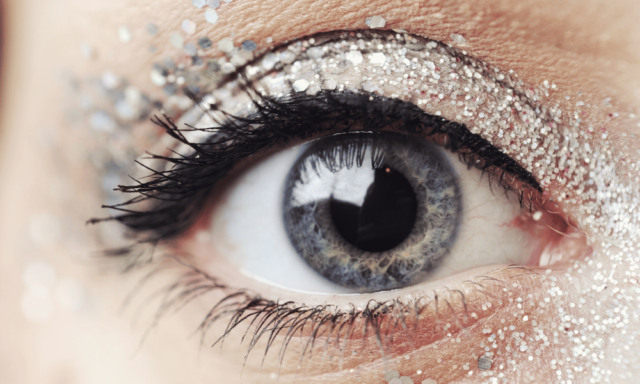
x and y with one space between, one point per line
365 212
363 183
385 196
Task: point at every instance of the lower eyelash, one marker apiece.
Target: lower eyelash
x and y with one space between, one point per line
344 331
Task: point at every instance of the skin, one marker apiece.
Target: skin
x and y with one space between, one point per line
590 46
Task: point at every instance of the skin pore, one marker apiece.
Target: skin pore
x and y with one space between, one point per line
50 188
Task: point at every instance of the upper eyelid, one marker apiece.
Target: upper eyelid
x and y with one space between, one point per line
301 54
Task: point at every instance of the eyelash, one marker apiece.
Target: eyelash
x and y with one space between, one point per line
173 197
184 186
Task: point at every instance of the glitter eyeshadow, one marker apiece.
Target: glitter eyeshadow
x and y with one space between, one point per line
572 159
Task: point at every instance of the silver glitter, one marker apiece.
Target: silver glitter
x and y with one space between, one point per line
190 49
211 15
157 78
484 363
329 84
213 3
189 27
375 22
300 85
377 58
241 57
227 68
429 381
199 3
205 43
124 33
110 80
152 29
458 39
103 122
269 61
287 57
248 45
225 45
315 52
355 57
176 40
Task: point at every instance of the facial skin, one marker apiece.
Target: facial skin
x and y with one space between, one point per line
50 187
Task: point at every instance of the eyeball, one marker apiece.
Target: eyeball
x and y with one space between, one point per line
365 212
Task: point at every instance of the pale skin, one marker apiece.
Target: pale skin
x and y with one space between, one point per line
589 46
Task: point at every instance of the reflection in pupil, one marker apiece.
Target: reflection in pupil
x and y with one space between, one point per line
386 216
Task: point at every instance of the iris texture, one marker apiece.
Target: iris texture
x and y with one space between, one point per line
372 211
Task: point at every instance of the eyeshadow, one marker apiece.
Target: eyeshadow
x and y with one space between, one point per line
572 159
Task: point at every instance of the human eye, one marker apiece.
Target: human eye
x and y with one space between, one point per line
263 202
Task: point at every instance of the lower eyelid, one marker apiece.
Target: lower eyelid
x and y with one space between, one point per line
389 335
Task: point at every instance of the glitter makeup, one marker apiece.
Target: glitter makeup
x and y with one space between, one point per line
558 147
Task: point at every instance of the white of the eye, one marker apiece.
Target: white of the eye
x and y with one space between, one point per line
248 227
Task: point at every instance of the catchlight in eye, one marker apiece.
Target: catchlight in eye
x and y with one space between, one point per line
371 211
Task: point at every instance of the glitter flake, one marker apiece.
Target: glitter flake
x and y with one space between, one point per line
375 22
124 33
211 16
189 27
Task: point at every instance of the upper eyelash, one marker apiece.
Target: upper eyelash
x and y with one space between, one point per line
178 192
271 319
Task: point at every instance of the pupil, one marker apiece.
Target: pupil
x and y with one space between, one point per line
386 216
